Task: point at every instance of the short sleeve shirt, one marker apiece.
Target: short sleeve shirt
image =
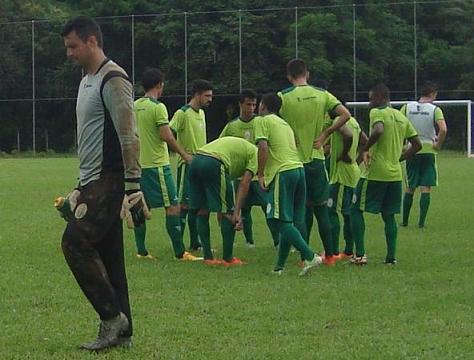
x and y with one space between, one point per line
150 115
237 155
190 128
282 152
304 108
385 153
241 129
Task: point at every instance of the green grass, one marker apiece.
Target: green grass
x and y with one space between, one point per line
420 309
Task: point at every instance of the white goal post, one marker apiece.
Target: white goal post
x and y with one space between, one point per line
466 103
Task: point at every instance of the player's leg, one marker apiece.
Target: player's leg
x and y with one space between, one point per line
198 201
334 205
348 237
428 178
391 205
286 193
194 243
425 199
247 225
413 168
221 200
100 203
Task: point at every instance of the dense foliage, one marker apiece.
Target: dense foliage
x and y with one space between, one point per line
384 51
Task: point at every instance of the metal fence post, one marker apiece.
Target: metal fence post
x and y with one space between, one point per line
33 89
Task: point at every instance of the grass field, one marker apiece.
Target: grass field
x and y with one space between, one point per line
420 309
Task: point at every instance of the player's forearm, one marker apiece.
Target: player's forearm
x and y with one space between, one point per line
262 157
344 116
173 144
346 139
241 195
375 135
413 149
441 138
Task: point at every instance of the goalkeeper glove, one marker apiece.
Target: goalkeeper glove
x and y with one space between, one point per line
67 205
134 208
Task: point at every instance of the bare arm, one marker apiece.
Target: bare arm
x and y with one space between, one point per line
262 160
343 117
167 135
413 149
375 134
443 130
363 139
241 196
346 143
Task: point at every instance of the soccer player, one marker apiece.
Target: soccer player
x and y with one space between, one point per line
244 127
421 169
157 181
108 151
344 175
211 172
281 172
189 124
381 192
304 107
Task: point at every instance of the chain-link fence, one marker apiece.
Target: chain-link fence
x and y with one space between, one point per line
235 49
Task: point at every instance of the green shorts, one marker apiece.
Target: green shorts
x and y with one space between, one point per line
255 197
378 196
286 196
317 182
210 186
422 171
158 187
182 181
340 198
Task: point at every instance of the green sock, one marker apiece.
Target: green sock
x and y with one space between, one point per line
205 235
182 217
247 223
424 205
390 235
335 229
140 234
283 252
358 231
228 235
273 229
293 236
173 227
347 230
309 222
407 202
193 233
324 228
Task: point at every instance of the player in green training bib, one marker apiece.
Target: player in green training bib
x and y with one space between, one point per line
381 192
281 172
157 181
422 171
189 124
211 172
344 175
244 127
304 108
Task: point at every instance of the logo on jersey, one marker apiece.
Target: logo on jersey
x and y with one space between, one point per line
354 198
247 135
330 202
269 208
86 86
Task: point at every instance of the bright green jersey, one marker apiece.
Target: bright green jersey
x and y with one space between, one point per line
150 115
304 108
423 116
241 129
237 155
341 172
282 152
190 128
385 153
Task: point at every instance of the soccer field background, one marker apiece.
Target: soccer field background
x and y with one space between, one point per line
422 308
